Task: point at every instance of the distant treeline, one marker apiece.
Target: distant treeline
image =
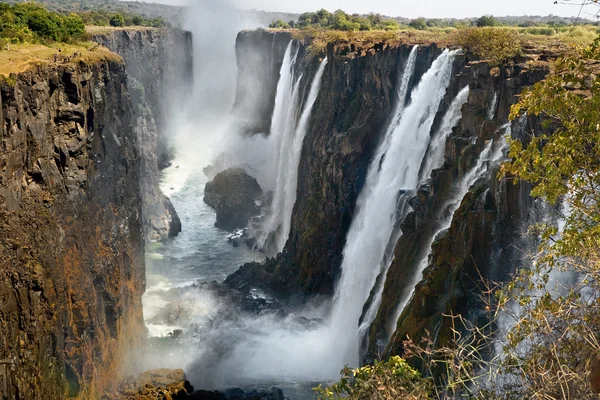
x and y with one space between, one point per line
342 21
338 20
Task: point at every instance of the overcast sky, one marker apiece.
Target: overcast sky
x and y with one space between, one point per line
411 9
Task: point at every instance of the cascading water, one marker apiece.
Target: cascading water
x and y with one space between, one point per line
433 160
286 141
488 158
493 107
373 226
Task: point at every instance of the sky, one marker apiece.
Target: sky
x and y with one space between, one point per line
412 9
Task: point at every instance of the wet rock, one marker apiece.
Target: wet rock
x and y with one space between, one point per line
235 196
159 384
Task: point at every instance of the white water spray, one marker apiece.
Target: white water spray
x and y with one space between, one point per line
373 226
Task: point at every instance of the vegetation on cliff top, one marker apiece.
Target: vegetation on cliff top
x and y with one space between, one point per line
551 350
486 38
32 23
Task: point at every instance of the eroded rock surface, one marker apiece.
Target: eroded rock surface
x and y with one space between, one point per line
71 243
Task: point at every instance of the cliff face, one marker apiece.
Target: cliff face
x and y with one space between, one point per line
160 71
348 122
71 243
259 58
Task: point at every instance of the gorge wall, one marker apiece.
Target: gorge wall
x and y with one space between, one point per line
351 114
71 243
159 65
82 139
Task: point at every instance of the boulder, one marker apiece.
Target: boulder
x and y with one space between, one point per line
235 196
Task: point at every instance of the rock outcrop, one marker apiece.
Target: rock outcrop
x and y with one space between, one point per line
71 245
160 68
235 196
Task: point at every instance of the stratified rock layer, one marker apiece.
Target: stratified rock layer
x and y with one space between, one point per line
71 243
235 196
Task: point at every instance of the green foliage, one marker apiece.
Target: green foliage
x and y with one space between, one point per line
117 20
419 23
393 379
103 18
487 20
279 24
30 22
497 45
567 162
341 21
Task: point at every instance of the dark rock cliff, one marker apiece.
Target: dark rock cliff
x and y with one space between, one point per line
160 70
259 58
71 242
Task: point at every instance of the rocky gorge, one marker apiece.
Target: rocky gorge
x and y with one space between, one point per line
87 144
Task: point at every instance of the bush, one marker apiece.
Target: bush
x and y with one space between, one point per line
486 20
418 23
279 24
496 45
390 380
117 20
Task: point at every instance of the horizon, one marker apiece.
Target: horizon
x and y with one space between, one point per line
404 9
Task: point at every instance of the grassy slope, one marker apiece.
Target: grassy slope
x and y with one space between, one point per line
21 57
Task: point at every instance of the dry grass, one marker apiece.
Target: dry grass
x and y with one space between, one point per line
21 57
91 29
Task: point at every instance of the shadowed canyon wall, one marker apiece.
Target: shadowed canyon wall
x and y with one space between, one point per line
81 143
71 244
159 65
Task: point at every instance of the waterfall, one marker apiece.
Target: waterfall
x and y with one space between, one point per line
437 147
433 160
288 139
493 107
488 158
376 217
281 136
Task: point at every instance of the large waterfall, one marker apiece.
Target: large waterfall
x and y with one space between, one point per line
286 139
375 219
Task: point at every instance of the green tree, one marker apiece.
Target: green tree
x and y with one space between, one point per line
487 20
561 331
279 24
419 23
117 20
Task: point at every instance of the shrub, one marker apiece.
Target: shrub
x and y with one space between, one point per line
117 20
497 45
393 379
279 24
418 23
487 20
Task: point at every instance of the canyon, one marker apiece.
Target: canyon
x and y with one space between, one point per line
376 213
